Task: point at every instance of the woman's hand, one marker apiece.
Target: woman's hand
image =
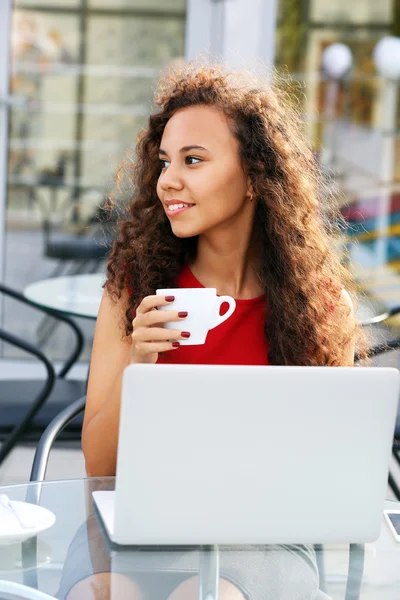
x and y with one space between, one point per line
149 338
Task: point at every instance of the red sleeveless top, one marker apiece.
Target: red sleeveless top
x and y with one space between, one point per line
240 340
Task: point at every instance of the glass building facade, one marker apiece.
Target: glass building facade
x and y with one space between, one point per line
81 86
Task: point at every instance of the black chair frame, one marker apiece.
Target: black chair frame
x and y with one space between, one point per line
37 403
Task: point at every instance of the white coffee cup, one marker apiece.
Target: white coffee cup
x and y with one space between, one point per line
202 305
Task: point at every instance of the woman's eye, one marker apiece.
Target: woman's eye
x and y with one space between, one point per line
163 163
192 160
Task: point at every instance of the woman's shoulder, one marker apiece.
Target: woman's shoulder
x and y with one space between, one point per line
345 298
346 303
341 304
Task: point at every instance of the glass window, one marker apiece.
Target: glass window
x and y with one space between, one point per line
353 123
83 76
152 5
46 4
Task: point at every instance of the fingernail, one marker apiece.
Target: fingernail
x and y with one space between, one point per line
175 344
182 314
185 334
169 298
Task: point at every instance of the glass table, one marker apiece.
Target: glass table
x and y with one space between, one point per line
77 543
72 295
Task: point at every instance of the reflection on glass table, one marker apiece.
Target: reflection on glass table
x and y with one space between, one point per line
77 547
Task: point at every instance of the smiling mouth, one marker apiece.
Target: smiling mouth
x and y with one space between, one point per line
174 209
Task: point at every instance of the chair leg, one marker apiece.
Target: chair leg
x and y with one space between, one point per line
396 453
58 269
392 482
77 267
394 487
94 266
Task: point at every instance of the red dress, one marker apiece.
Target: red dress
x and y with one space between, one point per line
240 340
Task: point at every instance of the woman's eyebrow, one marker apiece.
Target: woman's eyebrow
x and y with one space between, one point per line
184 149
192 147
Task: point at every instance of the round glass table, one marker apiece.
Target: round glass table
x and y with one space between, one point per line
73 295
76 547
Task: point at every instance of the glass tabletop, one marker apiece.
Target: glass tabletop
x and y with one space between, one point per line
75 550
75 295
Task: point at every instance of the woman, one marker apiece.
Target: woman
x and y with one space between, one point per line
226 196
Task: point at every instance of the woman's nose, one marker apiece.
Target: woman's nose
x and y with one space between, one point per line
171 178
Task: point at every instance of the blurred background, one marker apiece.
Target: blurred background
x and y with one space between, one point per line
76 87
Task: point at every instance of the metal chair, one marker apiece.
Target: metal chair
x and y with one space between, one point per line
27 406
390 312
83 250
50 434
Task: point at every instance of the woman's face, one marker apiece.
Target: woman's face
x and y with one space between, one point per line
202 185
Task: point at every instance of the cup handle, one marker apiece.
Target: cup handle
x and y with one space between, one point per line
221 318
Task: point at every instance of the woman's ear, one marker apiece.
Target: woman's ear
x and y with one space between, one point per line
250 190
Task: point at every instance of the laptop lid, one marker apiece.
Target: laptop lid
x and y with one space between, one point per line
249 454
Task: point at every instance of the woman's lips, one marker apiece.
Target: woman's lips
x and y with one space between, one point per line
178 211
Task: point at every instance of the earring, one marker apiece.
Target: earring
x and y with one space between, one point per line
251 197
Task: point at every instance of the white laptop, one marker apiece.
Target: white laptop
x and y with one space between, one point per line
251 455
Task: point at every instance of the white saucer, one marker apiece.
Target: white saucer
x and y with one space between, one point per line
37 517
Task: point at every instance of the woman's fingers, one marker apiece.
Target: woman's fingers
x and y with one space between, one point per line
150 302
149 338
155 317
148 348
147 316
144 334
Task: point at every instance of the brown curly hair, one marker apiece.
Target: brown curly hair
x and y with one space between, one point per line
301 271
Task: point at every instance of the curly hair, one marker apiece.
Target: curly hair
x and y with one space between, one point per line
301 271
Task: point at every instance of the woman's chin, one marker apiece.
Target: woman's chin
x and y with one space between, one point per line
185 232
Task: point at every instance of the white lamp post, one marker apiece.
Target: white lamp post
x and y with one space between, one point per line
387 61
336 62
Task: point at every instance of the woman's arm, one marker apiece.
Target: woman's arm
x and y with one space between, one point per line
112 352
110 356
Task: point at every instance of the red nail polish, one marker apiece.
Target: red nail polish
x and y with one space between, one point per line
182 314
175 344
169 298
185 334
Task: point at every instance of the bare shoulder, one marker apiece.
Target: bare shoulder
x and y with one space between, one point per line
110 352
112 314
346 301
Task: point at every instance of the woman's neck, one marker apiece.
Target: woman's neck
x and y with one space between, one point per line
228 264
